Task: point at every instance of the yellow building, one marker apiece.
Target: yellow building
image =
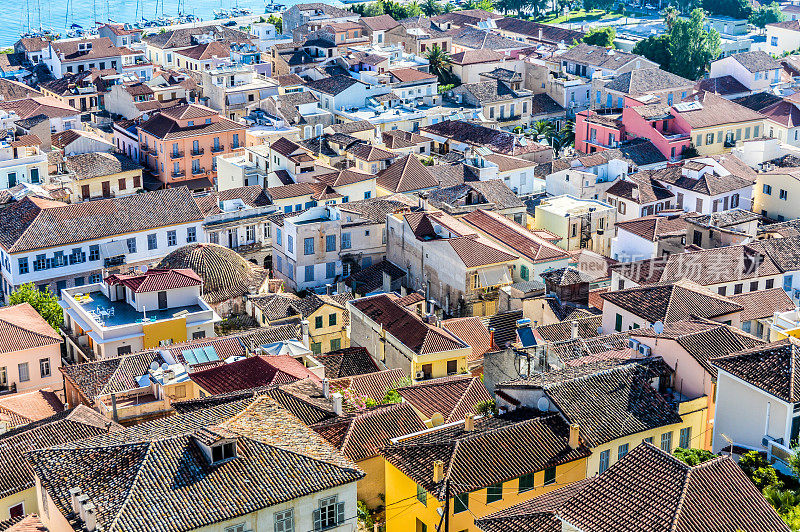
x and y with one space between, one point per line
102 175
776 194
616 405
473 471
326 315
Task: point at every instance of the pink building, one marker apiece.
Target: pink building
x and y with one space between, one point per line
597 131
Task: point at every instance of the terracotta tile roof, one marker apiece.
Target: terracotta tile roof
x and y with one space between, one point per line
332 85
373 385
562 330
649 489
370 278
772 367
599 56
518 448
360 435
379 23
250 373
25 523
406 326
369 153
347 362
498 141
352 127
14 90
344 177
655 227
756 61
397 139
724 86
549 33
90 165
647 189
405 75
226 275
471 331
156 280
453 397
164 125
22 408
474 253
646 80
715 111
566 277
705 267
21 328
202 52
16 475
293 190
703 339
609 402
672 302
278 459
406 174
510 233
763 304
33 107
33 223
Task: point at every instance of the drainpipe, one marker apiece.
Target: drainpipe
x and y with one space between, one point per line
115 416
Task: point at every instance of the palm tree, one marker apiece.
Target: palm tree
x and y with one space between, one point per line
471 4
449 7
439 64
431 8
412 9
542 129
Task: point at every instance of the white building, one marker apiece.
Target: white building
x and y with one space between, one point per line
755 70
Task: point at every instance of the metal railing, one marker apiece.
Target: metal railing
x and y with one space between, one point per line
198 151
176 154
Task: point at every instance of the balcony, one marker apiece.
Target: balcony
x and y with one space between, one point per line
143 146
198 151
198 171
153 150
217 149
176 155
180 173
512 118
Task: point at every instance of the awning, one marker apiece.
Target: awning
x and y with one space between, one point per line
114 248
234 99
493 276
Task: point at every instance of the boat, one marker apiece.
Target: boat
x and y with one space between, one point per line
221 13
273 7
240 11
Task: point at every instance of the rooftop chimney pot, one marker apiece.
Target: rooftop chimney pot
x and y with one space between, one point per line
469 422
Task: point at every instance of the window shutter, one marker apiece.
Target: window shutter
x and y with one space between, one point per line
317 519
339 513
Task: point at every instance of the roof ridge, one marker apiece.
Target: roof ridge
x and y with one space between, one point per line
684 489
137 476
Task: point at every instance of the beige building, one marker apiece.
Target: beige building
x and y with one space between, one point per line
777 192
581 223
101 175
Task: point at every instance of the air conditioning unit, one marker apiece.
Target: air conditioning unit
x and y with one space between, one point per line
644 350
420 375
633 344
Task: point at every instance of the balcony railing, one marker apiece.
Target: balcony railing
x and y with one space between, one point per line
179 173
198 151
217 149
153 150
176 155
511 118
198 171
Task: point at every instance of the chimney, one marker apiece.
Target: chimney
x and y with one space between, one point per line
89 516
326 388
491 337
74 493
387 282
438 471
574 329
540 34
574 436
469 422
337 403
304 329
329 289
635 193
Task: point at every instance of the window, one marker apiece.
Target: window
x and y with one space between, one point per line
460 503
308 246
23 265
618 323
331 319
18 510
330 270
330 243
152 241
278 238
494 493
666 442
172 238
523 272
345 241
783 194
316 348
526 482
787 282
420 526
336 344
604 459
722 290
769 284
318 322
94 252
24 375
309 273
452 367
290 243
422 495
131 242
753 286
649 440
622 451
236 528
685 438
773 41
709 138
44 367
223 452
191 234
550 475
284 521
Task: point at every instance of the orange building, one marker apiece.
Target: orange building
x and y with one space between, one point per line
181 144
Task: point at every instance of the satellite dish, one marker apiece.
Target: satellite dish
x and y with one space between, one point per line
543 404
437 419
164 366
600 330
144 268
658 327
153 365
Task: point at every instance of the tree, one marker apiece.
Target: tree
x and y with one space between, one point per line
542 129
693 456
729 8
277 22
412 9
373 9
691 47
439 64
759 470
766 15
601 36
656 49
449 7
431 8
45 303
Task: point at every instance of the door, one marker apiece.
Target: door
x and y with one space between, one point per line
162 300
106 189
85 193
233 241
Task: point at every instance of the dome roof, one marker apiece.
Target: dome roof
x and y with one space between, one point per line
224 272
